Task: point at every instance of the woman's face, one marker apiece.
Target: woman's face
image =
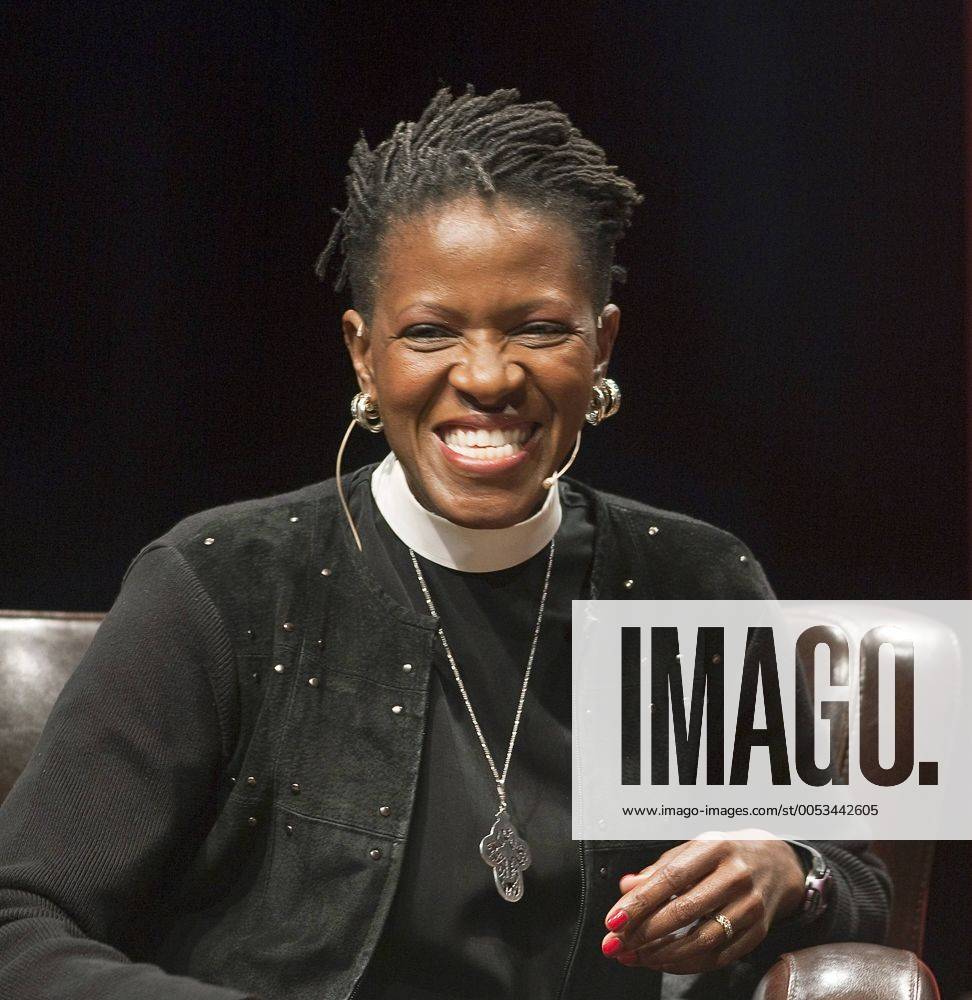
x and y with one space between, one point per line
481 355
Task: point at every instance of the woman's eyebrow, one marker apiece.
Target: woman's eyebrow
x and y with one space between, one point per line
454 315
545 302
444 311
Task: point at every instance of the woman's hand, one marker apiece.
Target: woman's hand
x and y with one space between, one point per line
752 883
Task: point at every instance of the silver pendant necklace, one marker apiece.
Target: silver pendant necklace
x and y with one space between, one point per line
503 849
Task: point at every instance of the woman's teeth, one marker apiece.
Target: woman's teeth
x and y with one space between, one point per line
485 444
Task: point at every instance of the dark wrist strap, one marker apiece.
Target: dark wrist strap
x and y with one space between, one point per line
818 881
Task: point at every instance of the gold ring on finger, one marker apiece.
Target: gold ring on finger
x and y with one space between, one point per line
725 923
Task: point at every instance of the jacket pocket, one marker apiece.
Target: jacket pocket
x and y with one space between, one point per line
327 891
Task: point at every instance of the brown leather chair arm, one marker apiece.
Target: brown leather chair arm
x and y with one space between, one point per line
848 971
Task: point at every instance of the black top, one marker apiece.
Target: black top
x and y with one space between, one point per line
449 934
198 821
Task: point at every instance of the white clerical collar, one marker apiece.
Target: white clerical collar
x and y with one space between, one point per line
474 550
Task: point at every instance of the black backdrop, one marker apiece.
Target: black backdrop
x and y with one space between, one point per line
792 351
792 345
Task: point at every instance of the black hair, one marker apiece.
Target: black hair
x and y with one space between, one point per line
488 144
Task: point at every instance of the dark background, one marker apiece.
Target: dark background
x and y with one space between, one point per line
792 353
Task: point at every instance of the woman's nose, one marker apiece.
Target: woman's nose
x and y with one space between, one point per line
488 375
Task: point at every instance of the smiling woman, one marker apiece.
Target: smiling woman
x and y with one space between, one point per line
322 740
481 352
479 242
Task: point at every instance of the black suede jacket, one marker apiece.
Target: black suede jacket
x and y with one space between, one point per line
219 803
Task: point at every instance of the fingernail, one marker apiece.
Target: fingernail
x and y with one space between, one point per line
627 958
618 920
612 946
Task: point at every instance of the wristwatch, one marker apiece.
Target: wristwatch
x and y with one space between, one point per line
818 883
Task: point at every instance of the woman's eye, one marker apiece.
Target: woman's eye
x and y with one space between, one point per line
425 331
538 333
542 331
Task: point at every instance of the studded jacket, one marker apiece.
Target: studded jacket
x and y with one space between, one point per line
219 802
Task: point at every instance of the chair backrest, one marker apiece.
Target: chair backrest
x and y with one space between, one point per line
39 650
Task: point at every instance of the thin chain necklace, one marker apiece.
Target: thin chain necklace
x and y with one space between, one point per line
503 849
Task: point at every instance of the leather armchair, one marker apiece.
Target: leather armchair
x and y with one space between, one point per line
39 650
849 972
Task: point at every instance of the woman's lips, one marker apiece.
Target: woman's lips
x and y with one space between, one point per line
487 451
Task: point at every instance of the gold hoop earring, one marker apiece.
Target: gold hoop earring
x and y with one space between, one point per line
605 401
365 412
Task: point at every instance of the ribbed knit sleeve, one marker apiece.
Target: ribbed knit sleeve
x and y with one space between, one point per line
117 795
860 903
860 900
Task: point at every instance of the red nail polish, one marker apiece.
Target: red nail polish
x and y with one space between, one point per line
627 958
612 946
618 920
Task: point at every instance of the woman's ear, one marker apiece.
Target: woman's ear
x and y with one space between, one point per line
609 322
358 342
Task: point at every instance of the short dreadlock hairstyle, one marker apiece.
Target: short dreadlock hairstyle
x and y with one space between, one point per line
491 145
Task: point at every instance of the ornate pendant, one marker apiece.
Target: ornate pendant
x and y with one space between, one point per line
508 854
